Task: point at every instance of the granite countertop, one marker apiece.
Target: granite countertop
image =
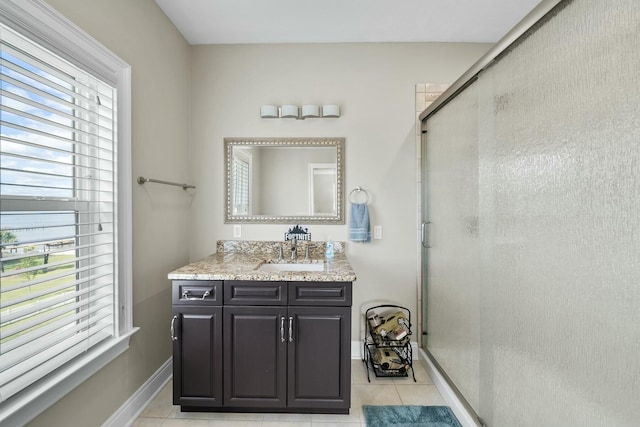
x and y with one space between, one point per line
241 260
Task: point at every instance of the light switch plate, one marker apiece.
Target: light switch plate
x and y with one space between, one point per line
377 232
237 230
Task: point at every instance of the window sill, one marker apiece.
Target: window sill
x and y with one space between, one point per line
31 402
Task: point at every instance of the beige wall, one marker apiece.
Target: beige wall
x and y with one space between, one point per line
142 35
375 86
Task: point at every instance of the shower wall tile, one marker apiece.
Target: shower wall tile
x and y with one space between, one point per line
436 87
420 101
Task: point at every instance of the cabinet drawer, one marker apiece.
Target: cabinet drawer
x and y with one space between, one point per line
246 292
197 292
320 293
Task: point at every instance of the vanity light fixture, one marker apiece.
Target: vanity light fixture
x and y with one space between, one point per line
296 112
331 110
269 111
310 111
289 111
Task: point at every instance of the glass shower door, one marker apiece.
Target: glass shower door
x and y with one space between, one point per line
450 242
424 241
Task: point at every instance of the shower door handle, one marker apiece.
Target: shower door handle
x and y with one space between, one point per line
424 236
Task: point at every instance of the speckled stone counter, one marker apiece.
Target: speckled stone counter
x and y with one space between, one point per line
241 260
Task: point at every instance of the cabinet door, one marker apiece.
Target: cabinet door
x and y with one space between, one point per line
197 356
319 365
255 356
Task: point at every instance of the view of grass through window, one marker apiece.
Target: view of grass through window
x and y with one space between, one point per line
38 263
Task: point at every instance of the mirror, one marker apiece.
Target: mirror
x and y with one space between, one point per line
284 180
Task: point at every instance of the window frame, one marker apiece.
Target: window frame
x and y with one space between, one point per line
41 23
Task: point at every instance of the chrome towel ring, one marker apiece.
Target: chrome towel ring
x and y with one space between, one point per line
358 190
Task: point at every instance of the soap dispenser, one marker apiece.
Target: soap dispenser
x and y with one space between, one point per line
329 248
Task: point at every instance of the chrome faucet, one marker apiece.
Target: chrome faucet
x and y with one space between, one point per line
294 250
280 252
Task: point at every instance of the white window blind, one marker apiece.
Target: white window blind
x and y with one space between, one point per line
58 292
240 178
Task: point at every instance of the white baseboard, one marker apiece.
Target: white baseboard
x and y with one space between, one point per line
458 408
356 350
129 411
357 347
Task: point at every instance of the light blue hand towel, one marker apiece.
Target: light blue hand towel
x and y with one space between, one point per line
359 229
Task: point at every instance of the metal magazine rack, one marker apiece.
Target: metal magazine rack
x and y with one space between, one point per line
387 348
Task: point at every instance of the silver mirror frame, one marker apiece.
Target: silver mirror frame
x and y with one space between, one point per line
338 143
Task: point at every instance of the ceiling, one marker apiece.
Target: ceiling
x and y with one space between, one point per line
339 21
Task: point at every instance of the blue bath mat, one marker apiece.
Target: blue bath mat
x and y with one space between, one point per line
409 416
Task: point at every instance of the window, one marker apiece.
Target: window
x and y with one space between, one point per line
241 182
65 288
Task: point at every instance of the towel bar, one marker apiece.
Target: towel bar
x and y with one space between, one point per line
142 180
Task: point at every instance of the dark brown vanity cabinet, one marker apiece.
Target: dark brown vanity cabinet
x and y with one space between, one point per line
286 346
255 355
196 331
255 346
319 365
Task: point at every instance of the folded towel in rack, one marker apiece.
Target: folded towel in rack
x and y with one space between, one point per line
359 229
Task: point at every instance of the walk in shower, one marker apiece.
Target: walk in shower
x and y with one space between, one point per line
532 223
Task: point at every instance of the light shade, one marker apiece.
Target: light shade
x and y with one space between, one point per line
297 112
310 111
289 111
331 110
269 111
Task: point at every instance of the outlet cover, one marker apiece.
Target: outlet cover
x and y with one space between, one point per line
237 230
377 232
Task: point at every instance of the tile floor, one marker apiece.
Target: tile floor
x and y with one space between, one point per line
381 391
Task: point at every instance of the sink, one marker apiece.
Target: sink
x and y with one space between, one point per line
284 267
